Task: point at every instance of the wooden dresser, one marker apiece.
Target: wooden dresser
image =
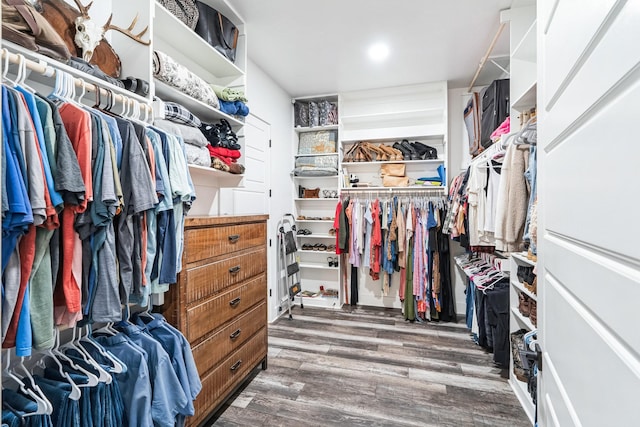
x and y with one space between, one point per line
220 303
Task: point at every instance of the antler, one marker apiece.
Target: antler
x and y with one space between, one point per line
84 10
128 32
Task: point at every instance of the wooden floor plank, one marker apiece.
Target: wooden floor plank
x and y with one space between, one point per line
368 367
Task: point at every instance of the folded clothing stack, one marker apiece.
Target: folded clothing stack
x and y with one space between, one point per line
232 101
224 154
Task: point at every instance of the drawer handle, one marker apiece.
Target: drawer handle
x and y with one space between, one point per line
236 365
235 335
234 238
234 302
234 270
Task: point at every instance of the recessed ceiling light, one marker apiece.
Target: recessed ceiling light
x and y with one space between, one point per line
378 51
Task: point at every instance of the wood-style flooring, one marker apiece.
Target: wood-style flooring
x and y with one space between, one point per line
368 367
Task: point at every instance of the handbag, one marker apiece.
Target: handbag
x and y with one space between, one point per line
217 30
22 24
184 10
395 181
393 169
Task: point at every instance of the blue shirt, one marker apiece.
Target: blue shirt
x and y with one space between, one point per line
135 382
168 396
179 350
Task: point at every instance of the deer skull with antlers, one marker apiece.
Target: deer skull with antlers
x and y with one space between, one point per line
89 34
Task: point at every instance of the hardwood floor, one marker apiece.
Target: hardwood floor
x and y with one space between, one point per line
368 367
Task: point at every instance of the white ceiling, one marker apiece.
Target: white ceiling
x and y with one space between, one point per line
320 47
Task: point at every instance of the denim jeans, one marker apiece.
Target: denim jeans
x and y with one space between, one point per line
66 411
16 405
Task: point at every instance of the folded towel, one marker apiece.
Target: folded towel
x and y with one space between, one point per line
224 152
242 108
228 94
228 107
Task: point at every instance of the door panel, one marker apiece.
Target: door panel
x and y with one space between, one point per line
608 68
588 172
565 49
252 197
588 257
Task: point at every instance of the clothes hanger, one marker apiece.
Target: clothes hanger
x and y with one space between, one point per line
118 366
74 344
43 405
32 382
5 77
93 379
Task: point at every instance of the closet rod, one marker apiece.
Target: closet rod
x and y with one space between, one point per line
486 56
49 71
392 189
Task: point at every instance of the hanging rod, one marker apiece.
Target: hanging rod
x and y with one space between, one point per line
392 189
47 70
486 56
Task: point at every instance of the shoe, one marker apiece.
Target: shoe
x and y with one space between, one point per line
413 154
330 261
523 306
406 154
426 152
335 262
332 232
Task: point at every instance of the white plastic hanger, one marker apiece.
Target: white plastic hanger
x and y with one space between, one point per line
118 366
26 374
43 405
93 380
73 344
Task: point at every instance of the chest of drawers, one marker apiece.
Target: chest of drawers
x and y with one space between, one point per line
220 303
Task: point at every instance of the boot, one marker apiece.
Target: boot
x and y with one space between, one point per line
413 153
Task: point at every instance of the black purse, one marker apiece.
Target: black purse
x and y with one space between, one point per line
217 30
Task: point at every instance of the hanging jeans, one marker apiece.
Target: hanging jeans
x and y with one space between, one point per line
498 320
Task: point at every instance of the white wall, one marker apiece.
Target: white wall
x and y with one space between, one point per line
271 103
459 158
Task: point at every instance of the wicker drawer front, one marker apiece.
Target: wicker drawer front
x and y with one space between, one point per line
216 311
218 346
230 372
215 241
208 279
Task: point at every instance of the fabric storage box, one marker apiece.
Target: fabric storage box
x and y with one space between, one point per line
316 166
319 142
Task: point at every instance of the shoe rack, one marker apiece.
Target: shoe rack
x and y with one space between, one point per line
523 315
314 211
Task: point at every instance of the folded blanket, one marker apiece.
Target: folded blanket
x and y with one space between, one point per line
197 155
228 94
180 114
174 74
191 135
234 107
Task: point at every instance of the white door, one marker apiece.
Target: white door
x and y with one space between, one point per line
589 172
253 196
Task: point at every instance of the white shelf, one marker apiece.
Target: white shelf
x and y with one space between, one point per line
378 131
317 221
315 177
324 199
523 320
524 290
203 111
526 49
522 257
306 251
316 236
316 265
408 115
406 162
316 154
527 100
174 33
521 392
315 128
391 189
320 301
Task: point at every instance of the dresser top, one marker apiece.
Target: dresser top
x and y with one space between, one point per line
200 221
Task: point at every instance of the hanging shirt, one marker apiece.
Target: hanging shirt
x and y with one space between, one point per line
368 220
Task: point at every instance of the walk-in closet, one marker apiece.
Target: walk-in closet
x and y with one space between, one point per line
251 213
